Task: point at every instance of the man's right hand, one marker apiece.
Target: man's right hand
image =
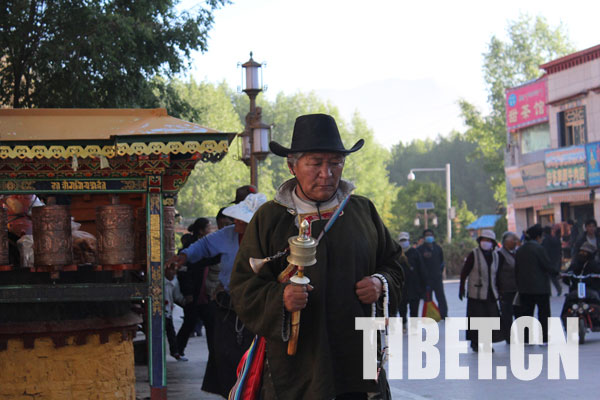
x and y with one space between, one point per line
177 261
295 297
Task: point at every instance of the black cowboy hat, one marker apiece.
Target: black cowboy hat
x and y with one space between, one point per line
317 133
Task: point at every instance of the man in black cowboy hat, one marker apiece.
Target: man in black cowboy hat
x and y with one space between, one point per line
356 259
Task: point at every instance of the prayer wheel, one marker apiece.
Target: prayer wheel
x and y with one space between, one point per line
169 231
140 236
115 227
52 241
4 259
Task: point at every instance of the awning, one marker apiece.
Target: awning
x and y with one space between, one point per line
485 221
533 201
63 133
571 196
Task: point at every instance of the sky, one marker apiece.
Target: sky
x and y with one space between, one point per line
402 65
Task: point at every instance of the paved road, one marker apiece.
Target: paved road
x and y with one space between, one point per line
586 387
185 378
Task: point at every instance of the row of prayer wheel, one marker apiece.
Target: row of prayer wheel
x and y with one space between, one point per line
121 235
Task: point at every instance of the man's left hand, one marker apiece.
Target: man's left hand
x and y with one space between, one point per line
368 289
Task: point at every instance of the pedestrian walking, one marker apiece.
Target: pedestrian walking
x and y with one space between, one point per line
232 339
570 236
551 243
533 270
414 287
433 263
356 260
172 295
506 282
191 279
479 271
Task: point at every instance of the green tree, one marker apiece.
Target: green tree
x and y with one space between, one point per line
405 211
531 42
83 53
467 175
210 186
367 168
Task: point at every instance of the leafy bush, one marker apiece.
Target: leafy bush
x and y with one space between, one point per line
455 254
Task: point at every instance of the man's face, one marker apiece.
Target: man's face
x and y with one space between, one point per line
510 243
590 229
240 226
429 238
319 175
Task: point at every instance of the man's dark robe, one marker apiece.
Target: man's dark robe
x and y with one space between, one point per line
328 361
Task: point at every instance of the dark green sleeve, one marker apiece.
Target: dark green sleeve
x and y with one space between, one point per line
258 298
388 260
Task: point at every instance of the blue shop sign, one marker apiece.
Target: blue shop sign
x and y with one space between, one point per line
593 163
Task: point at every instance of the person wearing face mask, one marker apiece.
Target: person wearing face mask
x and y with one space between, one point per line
433 265
414 287
506 281
480 270
533 270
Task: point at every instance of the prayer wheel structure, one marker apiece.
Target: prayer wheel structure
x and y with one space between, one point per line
109 179
52 240
4 258
115 227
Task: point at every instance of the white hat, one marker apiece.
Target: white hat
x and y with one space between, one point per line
246 209
403 236
487 234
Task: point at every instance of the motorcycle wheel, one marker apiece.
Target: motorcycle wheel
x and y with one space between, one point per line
582 329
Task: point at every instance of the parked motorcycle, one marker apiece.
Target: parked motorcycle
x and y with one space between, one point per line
582 303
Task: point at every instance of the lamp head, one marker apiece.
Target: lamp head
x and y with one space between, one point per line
411 176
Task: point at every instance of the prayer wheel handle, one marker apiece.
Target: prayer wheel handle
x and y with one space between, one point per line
303 249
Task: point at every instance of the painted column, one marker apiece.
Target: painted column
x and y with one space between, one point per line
156 321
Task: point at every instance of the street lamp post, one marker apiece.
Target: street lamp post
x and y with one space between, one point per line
449 209
256 135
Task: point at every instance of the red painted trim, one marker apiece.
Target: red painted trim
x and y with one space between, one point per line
572 60
158 393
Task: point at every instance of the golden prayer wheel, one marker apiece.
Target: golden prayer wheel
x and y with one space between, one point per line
115 226
169 231
52 241
303 253
4 260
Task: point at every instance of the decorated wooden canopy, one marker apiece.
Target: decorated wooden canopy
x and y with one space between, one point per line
93 156
48 150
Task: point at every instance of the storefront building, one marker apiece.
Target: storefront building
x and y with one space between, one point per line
552 160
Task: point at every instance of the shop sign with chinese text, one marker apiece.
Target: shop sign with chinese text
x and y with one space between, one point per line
566 168
526 105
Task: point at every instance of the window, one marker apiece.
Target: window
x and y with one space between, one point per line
535 138
571 127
